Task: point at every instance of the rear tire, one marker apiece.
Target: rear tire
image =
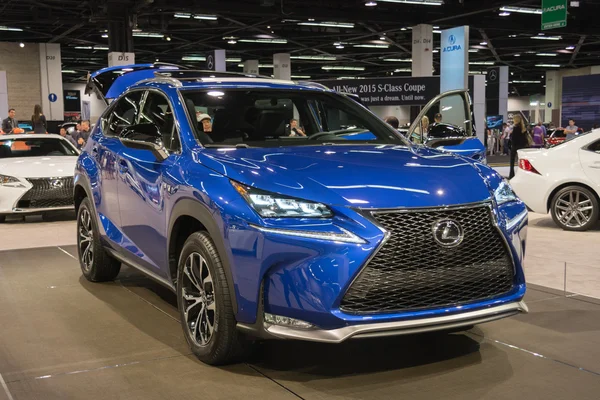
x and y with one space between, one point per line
2 218
96 265
205 307
575 208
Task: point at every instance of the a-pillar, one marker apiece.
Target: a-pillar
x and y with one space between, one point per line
422 50
251 67
120 34
282 66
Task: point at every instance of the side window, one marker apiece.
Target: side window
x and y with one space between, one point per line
157 111
447 118
124 113
595 147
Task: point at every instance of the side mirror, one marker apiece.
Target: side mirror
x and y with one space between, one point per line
144 137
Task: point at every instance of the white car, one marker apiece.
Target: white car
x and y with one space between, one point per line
36 174
564 180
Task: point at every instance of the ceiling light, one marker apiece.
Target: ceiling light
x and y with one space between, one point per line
548 65
232 41
156 60
341 68
339 46
372 46
300 76
81 47
436 27
68 71
329 24
382 38
193 58
371 3
482 62
543 37
100 47
21 44
398 59
517 55
259 65
8 28
105 35
570 48
148 34
182 15
437 31
546 54
435 51
504 14
483 44
512 36
265 41
233 59
403 70
318 58
196 16
478 72
525 82
419 2
215 93
522 10
402 29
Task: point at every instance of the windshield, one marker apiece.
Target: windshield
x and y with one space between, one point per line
265 118
35 147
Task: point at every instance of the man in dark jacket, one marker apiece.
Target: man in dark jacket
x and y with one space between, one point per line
10 123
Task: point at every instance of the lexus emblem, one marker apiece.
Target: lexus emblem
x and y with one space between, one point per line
56 184
448 233
210 62
493 75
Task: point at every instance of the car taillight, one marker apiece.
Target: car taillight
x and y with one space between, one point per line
526 166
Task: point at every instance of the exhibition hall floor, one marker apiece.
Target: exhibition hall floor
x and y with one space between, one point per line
65 338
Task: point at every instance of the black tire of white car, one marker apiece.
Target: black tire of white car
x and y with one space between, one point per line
2 218
225 344
100 267
556 203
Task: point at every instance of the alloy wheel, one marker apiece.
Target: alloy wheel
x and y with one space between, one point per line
198 296
86 243
574 209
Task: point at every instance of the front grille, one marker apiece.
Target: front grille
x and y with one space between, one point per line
48 193
411 271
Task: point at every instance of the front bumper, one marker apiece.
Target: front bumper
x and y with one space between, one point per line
446 322
37 195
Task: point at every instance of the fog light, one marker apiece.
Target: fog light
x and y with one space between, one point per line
286 321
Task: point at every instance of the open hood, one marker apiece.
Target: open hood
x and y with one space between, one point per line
109 83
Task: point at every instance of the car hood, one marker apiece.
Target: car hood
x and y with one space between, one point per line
38 167
366 176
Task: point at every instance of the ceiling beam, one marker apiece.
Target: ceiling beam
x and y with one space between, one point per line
65 33
494 52
577 48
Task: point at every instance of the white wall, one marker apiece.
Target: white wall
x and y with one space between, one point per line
518 103
23 79
97 106
400 112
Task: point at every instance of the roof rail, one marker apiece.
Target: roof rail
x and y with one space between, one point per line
190 74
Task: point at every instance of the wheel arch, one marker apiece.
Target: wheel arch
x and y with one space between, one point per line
189 216
567 184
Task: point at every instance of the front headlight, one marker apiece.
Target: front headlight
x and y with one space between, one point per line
504 193
10 181
272 205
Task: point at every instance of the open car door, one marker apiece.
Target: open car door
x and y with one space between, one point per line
447 123
109 83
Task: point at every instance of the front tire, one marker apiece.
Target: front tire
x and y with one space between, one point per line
2 218
205 308
96 264
575 208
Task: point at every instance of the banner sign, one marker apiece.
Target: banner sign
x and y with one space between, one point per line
454 69
554 14
117 58
72 100
389 91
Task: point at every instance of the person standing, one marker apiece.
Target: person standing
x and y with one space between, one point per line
10 123
38 120
392 121
538 135
518 140
81 136
571 130
63 133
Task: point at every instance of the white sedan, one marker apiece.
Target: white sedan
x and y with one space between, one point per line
36 174
564 180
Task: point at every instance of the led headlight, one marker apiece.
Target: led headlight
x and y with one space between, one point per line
10 181
272 205
504 193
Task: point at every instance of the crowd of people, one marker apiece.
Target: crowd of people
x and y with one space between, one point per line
78 137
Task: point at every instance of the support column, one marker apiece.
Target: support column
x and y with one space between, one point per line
120 34
497 91
422 50
552 99
251 67
51 81
215 61
479 112
282 66
454 71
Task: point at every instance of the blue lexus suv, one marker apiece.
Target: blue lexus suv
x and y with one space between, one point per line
284 210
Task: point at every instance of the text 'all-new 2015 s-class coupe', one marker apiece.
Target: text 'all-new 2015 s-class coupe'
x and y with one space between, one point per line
284 210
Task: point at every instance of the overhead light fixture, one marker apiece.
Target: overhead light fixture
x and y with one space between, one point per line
21 45
483 44
526 82
435 51
341 68
100 47
314 58
517 55
398 59
233 59
418 2
259 65
436 27
478 72
544 37
68 71
522 10
403 70
264 41
168 38
437 31
148 34
372 46
512 36
83 47
371 3
504 14
196 16
300 76
105 35
473 50
182 15
8 28
215 93
193 58
382 38
548 65
482 62
231 41
339 46
329 24
546 54
570 48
